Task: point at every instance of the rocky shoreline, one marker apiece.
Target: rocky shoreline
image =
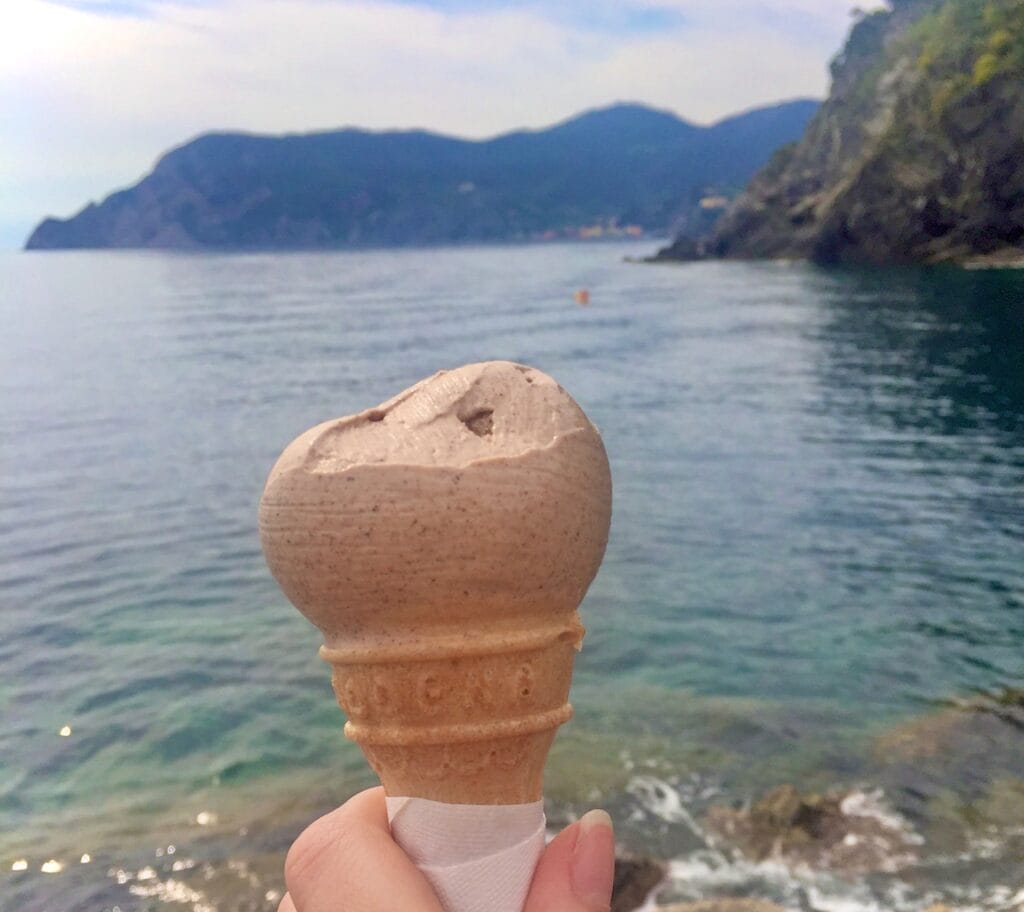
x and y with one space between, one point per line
938 818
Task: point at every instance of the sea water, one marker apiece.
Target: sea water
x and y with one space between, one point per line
816 556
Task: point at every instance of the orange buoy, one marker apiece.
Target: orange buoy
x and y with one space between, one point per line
582 297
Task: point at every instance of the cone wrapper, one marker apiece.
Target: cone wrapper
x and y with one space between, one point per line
478 858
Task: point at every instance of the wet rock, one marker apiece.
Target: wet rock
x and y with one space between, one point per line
945 766
797 817
635 878
725 904
968 725
781 823
1003 804
850 833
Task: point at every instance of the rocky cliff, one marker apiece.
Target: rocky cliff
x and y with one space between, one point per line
916 156
626 168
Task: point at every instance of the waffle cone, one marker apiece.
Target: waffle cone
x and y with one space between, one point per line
458 724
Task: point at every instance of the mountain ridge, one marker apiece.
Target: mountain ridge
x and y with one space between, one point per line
620 165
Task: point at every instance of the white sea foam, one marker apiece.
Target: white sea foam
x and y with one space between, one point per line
665 801
708 870
706 874
872 804
713 871
994 898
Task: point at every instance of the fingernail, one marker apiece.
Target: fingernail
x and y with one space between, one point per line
593 860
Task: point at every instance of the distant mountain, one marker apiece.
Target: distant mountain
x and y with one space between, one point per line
626 167
916 156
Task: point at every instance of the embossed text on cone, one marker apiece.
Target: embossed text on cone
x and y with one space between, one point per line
442 542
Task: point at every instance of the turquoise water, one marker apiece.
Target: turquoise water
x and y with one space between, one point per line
817 544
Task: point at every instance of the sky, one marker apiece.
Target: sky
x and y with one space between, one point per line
92 92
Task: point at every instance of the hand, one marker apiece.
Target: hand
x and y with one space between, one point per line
348 862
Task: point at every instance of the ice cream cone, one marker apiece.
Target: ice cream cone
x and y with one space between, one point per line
442 543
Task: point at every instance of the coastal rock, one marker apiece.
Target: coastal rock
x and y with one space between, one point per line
635 878
958 768
916 156
970 729
724 904
850 832
973 739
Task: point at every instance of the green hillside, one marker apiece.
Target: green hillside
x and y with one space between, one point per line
627 168
916 156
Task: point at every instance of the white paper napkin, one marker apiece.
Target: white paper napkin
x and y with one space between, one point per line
479 858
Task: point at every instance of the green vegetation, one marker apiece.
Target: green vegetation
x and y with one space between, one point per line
965 44
917 155
780 160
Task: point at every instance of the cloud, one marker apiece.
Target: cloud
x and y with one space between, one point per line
138 8
88 100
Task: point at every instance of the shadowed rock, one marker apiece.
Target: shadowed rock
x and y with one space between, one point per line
916 156
724 904
635 878
849 833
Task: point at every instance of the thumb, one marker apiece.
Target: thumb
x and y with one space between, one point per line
575 872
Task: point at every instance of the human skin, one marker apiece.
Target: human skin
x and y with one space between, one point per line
347 862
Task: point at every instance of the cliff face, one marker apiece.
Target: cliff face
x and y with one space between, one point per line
916 156
624 165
